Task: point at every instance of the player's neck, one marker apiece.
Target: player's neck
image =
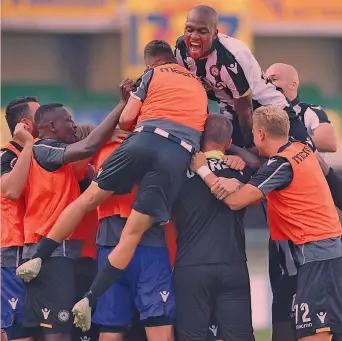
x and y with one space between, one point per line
18 142
275 145
212 147
292 96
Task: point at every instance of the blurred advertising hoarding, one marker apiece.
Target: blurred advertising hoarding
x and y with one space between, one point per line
61 15
165 19
292 17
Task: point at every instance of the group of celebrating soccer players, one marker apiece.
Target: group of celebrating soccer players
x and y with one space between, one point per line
159 157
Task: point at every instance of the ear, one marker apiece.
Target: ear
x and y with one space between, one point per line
216 33
52 126
262 135
228 145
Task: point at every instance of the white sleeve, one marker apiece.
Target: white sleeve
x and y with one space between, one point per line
262 92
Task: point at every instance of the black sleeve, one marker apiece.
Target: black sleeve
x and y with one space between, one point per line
275 174
142 85
335 185
299 133
8 160
49 154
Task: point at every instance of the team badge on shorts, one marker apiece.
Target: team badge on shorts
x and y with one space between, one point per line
63 315
214 71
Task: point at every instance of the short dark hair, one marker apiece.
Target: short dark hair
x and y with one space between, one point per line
158 48
44 110
17 109
218 128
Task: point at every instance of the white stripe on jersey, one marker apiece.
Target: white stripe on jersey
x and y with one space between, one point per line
265 94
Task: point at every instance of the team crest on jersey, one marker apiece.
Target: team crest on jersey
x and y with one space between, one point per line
63 315
214 71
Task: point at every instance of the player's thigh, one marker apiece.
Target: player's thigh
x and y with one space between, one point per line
283 327
161 184
114 308
12 297
150 278
233 302
125 166
194 301
161 333
49 298
318 301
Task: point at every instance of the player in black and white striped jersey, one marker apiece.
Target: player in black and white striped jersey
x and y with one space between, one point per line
230 74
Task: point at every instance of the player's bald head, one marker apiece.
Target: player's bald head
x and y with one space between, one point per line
218 130
284 76
205 14
283 70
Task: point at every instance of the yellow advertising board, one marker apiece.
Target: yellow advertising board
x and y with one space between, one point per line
60 15
165 19
57 8
309 11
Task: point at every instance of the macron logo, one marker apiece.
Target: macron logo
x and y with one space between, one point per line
270 161
164 294
13 302
213 329
233 67
46 313
321 316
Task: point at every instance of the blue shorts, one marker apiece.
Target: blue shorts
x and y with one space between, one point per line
145 285
12 297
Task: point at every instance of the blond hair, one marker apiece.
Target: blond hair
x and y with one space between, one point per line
273 120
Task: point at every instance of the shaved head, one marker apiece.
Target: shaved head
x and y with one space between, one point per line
285 77
206 13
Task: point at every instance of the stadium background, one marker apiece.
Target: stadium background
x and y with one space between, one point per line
77 51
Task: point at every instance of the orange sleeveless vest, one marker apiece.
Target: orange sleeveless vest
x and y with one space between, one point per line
12 216
47 195
304 211
90 224
117 204
175 94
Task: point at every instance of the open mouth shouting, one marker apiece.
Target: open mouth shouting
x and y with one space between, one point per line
195 49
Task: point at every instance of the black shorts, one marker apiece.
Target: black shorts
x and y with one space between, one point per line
156 163
50 297
213 291
85 273
283 286
317 305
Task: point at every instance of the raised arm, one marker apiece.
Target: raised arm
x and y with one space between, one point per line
14 171
89 146
136 100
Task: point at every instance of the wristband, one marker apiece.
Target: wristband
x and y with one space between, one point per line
203 171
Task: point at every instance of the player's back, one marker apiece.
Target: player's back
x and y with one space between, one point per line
174 94
12 212
208 231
